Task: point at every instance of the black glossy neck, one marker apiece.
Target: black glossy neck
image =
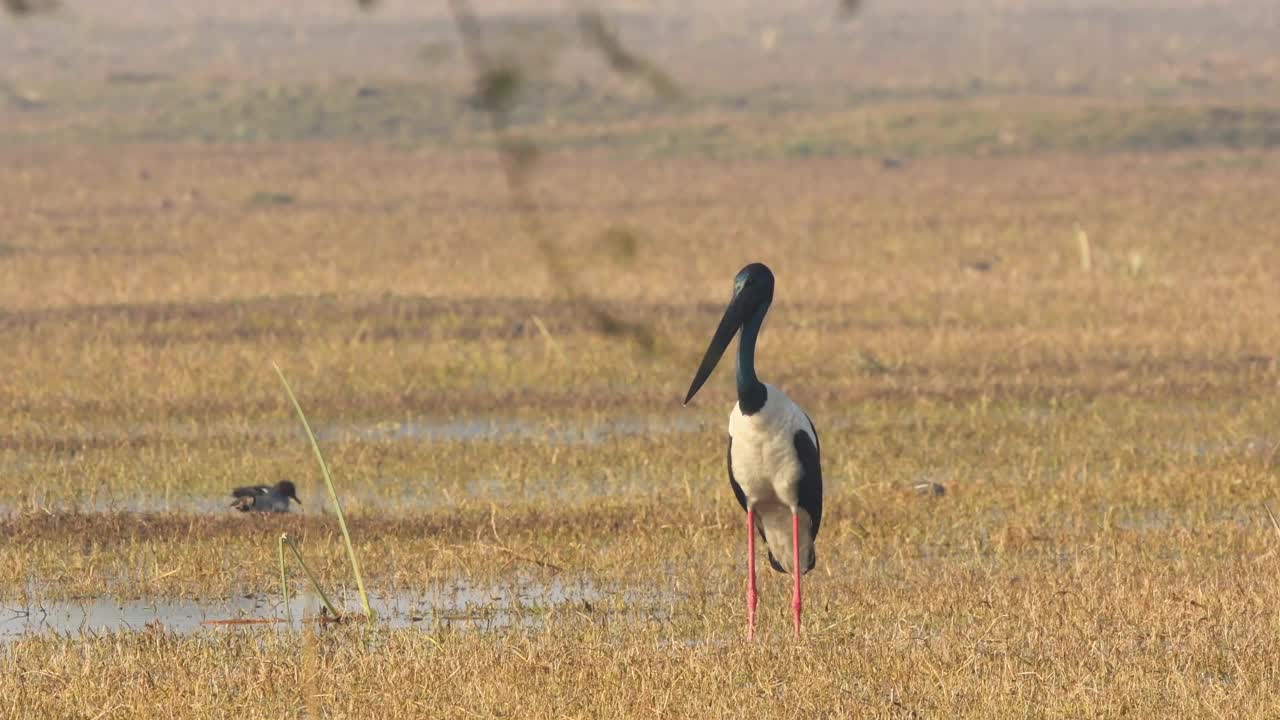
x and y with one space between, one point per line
751 392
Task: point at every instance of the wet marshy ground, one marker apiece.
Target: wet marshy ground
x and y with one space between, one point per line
455 606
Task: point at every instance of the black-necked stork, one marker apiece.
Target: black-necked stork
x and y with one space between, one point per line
774 468
264 498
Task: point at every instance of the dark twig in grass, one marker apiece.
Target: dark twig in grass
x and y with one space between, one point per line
315 584
849 8
284 580
20 8
496 87
596 31
527 558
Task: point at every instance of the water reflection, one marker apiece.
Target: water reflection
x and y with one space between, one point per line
458 605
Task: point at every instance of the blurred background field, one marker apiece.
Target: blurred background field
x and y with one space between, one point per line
1025 250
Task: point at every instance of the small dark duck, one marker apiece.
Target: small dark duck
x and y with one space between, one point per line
265 498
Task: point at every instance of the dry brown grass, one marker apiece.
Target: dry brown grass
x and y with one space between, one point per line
1107 438
1103 622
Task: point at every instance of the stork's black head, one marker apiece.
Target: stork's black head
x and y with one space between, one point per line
752 293
286 489
754 284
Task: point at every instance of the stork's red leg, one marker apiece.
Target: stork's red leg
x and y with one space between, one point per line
751 575
795 567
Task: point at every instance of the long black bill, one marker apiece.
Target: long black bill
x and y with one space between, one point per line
729 326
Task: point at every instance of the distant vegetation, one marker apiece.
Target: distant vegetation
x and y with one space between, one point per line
911 124
910 79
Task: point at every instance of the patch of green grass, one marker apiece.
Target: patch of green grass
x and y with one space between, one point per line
267 198
1016 127
800 123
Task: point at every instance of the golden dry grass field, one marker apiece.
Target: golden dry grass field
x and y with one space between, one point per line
1051 290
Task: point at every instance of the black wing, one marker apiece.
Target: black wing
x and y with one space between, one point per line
814 430
811 476
250 491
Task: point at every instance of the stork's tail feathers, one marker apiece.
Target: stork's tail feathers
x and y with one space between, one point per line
811 564
773 563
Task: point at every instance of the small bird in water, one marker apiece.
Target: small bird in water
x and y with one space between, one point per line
265 498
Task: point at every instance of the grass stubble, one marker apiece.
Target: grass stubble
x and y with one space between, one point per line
1106 439
1079 344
